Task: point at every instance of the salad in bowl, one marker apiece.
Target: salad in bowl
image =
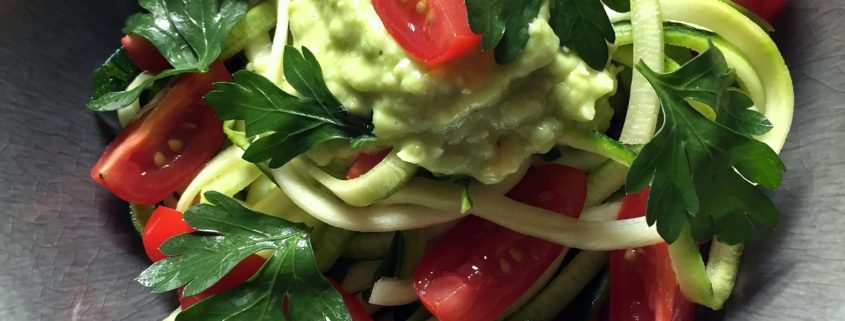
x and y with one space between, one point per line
446 159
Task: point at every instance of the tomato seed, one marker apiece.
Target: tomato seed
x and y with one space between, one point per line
630 255
159 159
175 145
421 6
517 255
505 265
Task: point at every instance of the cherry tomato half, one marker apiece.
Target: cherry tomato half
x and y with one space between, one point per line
166 223
479 269
365 162
163 150
642 282
144 54
353 304
237 276
767 9
433 31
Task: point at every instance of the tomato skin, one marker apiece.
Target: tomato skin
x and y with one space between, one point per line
163 150
478 269
353 304
438 34
767 9
642 283
237 276
144 54
365 162
164 223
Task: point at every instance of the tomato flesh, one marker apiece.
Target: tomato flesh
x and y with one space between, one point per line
144 54
479 269
365 162
355 307
642 283
164 223
433 31
164 149
237 276
767 9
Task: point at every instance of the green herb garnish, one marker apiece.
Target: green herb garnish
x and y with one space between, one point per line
704 173
581 25
503 25
230 233
287 125
189 34
115 74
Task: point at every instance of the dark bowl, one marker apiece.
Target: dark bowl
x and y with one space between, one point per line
68 251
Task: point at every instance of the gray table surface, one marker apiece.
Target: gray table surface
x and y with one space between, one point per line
68 252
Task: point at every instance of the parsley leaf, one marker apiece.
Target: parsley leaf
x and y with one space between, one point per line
703 173
189 34
287 125
503 25
735 112
231 232
115 74
583 26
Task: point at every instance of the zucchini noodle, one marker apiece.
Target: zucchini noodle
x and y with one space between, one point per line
682 35
280 39
378 183
126 115
377 218
491 205
644 105
564 230
393 292
218 167
255 23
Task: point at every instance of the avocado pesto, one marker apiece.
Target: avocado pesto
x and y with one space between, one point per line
438 159
470 117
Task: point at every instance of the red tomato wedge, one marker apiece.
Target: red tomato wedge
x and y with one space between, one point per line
365 162
354 305
433 31
767 9
479 269
144 54
642 282
237 276
163 150
166 223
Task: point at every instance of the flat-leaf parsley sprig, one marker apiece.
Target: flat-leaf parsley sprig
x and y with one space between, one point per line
706 174
285 125
581 25
189 34
229 233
